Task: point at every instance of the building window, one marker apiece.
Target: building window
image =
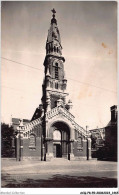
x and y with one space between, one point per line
79 143
56 71
56 85
32 141
54 49
51 84
56 135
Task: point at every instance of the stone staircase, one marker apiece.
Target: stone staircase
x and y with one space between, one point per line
30 127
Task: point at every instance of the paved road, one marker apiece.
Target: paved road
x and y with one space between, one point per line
59 173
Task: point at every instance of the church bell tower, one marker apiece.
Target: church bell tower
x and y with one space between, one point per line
55 83
52 131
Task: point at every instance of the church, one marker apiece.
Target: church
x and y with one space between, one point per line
52 131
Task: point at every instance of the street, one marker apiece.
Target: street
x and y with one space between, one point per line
58 173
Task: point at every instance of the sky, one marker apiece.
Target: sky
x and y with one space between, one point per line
89 39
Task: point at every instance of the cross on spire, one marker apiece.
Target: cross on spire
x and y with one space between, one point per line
53 19
53 11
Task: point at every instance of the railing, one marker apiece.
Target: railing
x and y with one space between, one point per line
52 112
57 110
28 127
67 113
80 129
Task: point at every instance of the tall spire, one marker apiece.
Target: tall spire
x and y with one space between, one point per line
53 44
55 83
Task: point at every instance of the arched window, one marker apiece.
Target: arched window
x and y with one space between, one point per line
56 71
56 135
79 143
56 85
32 141
54 49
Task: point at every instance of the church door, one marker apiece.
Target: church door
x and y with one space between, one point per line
57 150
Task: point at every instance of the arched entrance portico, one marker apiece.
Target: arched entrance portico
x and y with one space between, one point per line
61 137
58 143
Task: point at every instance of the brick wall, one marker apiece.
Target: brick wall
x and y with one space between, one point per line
80 151
32 152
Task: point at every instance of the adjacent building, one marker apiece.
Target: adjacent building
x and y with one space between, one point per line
15 122
111 136
97 140
104 140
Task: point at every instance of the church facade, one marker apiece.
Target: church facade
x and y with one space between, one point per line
52 131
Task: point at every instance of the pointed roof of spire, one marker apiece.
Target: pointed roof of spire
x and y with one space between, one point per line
53 32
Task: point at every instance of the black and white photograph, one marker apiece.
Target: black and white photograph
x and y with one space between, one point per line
59 105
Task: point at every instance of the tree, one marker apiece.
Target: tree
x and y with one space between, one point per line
7 135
